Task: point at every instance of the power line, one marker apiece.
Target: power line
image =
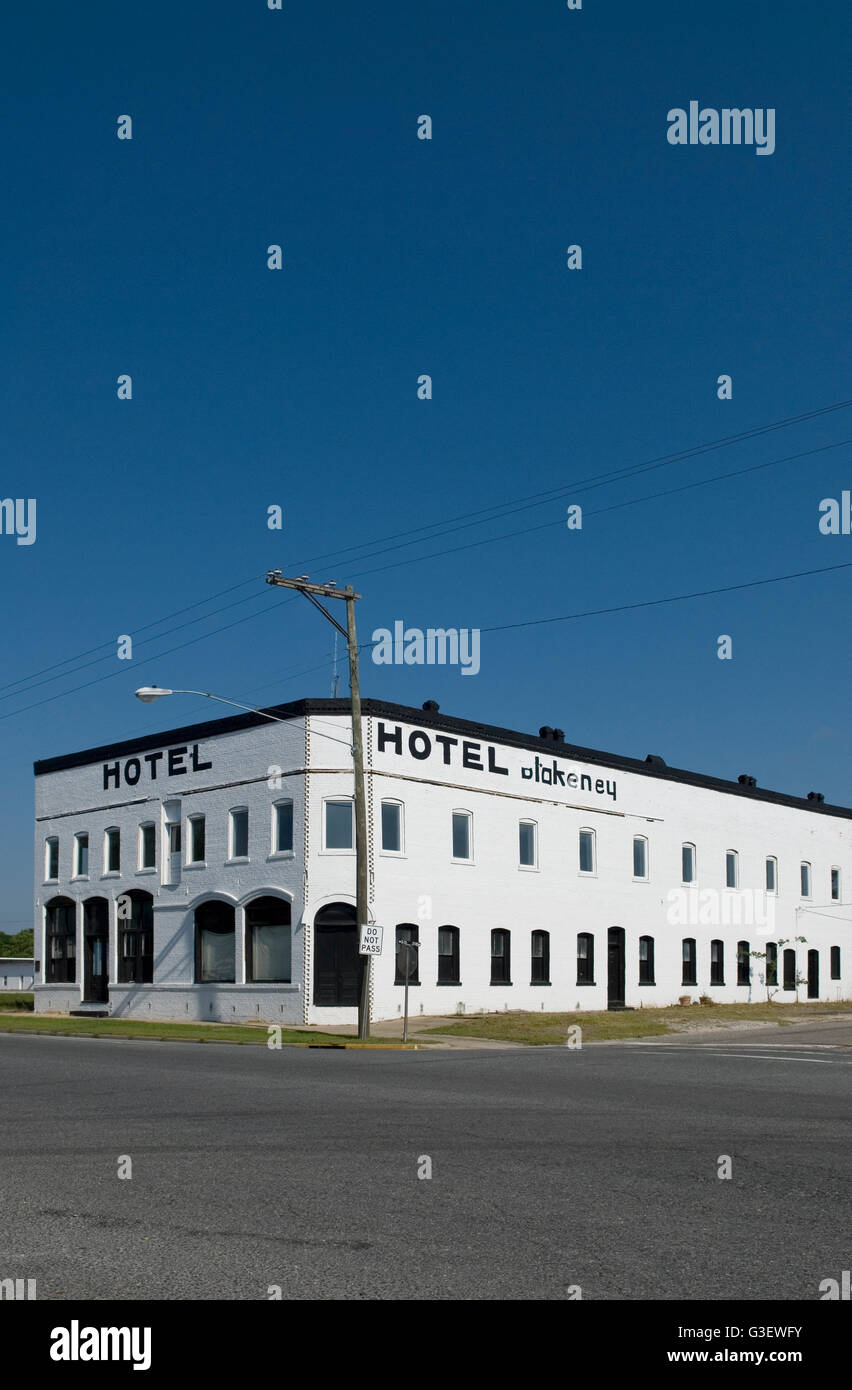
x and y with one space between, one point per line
631 502
675 598
446 527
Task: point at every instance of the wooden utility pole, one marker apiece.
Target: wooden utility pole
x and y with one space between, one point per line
313 592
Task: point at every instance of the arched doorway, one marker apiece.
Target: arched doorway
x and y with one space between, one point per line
615 968
813 974
95 940
338 968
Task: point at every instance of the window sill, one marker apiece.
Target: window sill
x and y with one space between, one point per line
334 852
501 984
469 862
196 864
528 868
647 984
412 984
540 984
238 859
110 873
79 878
586 984
145 871
448 984
280 854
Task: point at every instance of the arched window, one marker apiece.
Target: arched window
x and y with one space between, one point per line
268 941
743 963
51 858
462 835
789 969
835 962
690 962
771 963
448 956
646 960
732 869
407 960
717 962
135 938
527 844
687 861
215 943
61 941
392 828
585 958
835 885
500 957
540 958
806 879
587 852
772 874
640 856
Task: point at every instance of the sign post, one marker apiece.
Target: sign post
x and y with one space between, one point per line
408 947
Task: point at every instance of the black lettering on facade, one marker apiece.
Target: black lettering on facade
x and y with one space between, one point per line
424 750
385 738
470 756
176 757
132 771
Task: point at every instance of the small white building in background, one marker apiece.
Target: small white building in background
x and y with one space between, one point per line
208 873
16 974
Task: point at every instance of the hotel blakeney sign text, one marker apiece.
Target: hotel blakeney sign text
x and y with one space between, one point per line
129 771
483 758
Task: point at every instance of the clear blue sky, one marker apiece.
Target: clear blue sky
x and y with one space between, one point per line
401 257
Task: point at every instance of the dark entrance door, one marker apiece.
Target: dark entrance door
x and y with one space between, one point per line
615 968
813 974
95 938
338 968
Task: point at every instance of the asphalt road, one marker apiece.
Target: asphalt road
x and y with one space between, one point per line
550 1168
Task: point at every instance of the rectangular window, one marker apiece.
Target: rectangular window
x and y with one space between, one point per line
283 827
743 963
112 852
461 835
806 880
338 825
196 840
239 834
51 858
835 885
835 962
587 851
81 854
771 876
640 857
526 845
392 827
147 847
270 951
174 837
687 857
731 869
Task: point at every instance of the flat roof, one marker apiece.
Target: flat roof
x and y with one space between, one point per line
431 719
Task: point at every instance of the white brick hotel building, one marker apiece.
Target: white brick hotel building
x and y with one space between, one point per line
208 872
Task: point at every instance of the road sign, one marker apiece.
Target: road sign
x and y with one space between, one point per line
371 941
